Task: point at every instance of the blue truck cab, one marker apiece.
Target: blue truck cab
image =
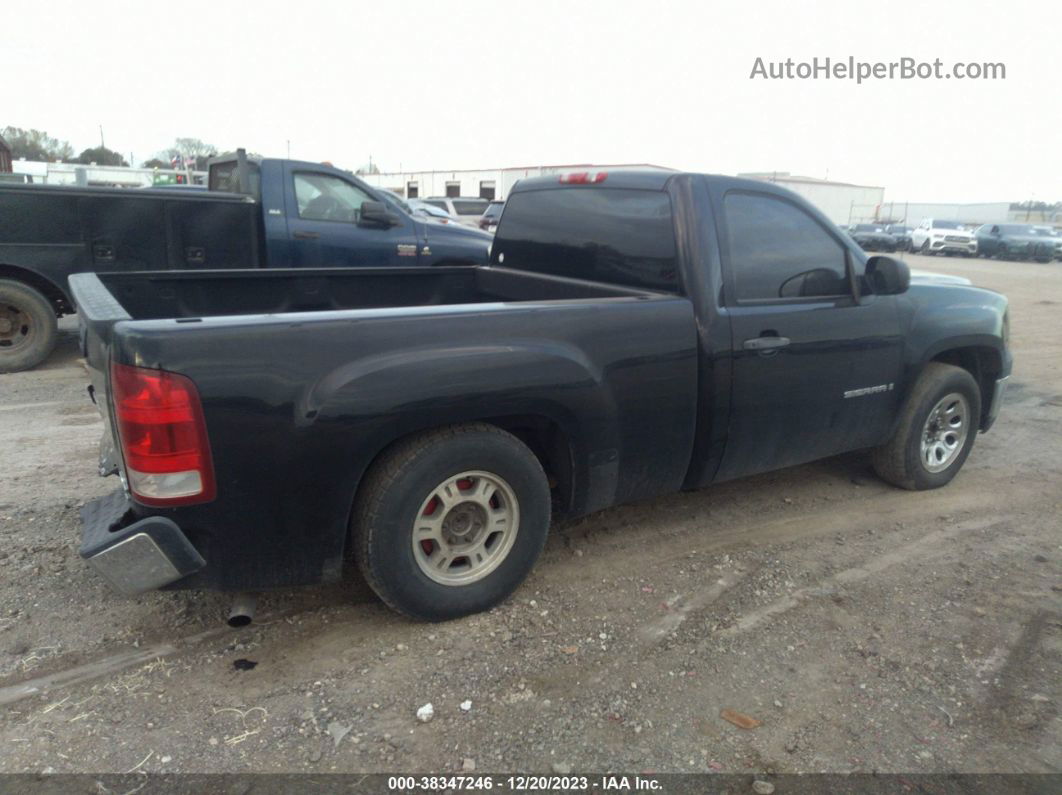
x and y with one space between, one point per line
317 216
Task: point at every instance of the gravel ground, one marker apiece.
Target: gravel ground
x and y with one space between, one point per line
860 627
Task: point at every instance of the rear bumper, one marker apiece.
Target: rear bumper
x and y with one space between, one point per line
133 555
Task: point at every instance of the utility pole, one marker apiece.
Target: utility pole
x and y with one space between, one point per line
102 146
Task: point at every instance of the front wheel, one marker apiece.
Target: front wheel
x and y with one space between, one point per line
925 250
450 521
936 431
28 327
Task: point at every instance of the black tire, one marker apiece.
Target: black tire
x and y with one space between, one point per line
390 499
28 327
899 460
925 250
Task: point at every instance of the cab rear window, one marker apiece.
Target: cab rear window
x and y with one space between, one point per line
614 235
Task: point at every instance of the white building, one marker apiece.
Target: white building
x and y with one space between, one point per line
842 202
488 183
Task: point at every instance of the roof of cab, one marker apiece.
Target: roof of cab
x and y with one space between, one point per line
649 179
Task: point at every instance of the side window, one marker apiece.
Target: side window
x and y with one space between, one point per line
323 197
779 251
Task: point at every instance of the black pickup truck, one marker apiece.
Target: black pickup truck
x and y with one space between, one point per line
257 213
634 334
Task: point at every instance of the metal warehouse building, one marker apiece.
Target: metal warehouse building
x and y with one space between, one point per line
842 202
490 183
913 213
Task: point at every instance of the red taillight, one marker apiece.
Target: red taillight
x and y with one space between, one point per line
163 436
583 177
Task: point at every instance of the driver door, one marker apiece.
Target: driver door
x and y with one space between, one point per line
814 370
323 212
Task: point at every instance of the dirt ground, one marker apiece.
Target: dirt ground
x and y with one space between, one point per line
865 628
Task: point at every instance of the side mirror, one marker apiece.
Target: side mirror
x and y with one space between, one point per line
376 214
887 276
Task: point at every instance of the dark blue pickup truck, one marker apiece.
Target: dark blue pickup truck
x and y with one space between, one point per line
634 334
257 213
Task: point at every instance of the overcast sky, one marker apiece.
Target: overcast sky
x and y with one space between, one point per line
459 84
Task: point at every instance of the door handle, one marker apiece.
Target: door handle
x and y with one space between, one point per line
765 343
305 235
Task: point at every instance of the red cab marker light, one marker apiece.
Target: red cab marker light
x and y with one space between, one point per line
583 177
163 436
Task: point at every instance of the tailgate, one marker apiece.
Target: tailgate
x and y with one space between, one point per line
97 312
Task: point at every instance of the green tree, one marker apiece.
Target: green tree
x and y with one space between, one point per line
155 163
36 145
100 155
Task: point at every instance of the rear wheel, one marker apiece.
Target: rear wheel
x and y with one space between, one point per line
28 327
936 431
449 522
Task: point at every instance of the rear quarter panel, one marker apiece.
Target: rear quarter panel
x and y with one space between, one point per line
298 406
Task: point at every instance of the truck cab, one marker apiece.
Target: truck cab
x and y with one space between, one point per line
317 216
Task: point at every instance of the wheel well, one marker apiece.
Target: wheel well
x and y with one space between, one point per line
549 444
46 287
982 362
551 447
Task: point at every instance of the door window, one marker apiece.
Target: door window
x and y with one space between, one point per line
323 197
779 251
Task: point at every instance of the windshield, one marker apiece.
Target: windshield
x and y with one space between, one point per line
1046 231
1018 229
898 230
868 228
949 225
494 210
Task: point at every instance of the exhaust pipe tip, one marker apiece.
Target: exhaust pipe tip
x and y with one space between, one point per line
242 612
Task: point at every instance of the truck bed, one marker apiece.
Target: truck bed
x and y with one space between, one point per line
154 295
306 376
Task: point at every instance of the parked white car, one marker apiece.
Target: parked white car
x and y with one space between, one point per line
936 236
467 210
431 212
